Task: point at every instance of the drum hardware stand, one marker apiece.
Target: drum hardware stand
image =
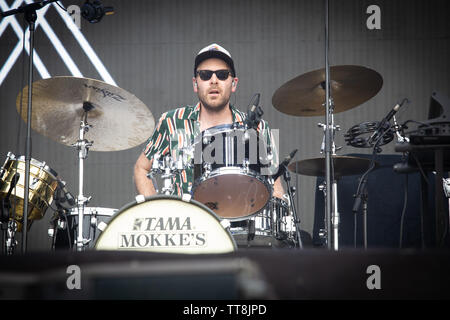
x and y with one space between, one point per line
59 219
332 219
82 146
291 190
251 230
30 16
8 226
168 168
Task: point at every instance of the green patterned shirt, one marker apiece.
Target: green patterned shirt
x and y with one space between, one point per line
179 127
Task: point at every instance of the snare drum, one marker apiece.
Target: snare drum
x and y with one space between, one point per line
229 171
42 187
166 224
272 227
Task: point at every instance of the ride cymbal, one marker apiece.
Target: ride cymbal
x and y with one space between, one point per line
305 95
119 120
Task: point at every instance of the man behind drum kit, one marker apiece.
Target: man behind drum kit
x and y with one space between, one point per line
214 81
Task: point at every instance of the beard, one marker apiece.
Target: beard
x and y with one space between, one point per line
216 106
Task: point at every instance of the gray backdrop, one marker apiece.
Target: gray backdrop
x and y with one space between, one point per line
149 47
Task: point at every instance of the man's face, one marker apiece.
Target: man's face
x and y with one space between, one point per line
214 94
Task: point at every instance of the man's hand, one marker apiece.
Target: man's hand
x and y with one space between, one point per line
278 190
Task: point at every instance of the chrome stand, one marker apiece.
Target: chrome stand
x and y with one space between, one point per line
168 168
332 219
82 146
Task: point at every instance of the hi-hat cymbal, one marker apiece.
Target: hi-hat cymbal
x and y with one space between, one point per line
343 166
119 120
305 94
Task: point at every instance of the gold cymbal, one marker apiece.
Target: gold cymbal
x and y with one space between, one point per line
343 166
119 120
305 94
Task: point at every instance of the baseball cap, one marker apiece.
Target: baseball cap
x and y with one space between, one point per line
214 51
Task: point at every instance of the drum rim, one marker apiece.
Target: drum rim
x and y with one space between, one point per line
252 174
37 163
223 127
74 209
249 172
168 197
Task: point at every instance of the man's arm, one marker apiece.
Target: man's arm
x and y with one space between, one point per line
144 185
278 189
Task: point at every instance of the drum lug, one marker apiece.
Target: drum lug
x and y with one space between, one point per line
61 224
293 190
246 165
94 219
225 223
323 234
207 167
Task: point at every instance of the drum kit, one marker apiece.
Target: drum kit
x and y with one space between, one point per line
231 203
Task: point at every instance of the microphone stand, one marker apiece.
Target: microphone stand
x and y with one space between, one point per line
287 179
361 192
363 196
30 16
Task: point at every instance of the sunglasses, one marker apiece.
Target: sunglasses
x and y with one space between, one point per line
207 74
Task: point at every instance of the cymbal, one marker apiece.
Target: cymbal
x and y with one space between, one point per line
305 94
119 120
343 166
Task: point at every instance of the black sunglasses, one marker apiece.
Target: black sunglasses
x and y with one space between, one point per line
207 74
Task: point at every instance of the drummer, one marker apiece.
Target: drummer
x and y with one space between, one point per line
214 81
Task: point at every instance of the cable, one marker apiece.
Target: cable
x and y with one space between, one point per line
57 2
405 202
420 168
68 230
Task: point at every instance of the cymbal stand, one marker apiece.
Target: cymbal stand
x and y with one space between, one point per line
331 195
331 220
82 146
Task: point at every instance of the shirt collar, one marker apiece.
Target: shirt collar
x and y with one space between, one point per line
235 113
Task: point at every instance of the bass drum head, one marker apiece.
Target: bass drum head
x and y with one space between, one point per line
166 224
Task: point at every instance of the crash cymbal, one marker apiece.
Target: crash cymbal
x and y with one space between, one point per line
305 94
119 120
343 166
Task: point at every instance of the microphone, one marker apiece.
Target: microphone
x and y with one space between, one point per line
254 113
94 12
283 165
69 197
382 125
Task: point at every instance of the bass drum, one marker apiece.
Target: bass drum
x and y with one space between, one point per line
166 224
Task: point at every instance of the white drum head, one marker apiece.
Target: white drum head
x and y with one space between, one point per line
166 224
